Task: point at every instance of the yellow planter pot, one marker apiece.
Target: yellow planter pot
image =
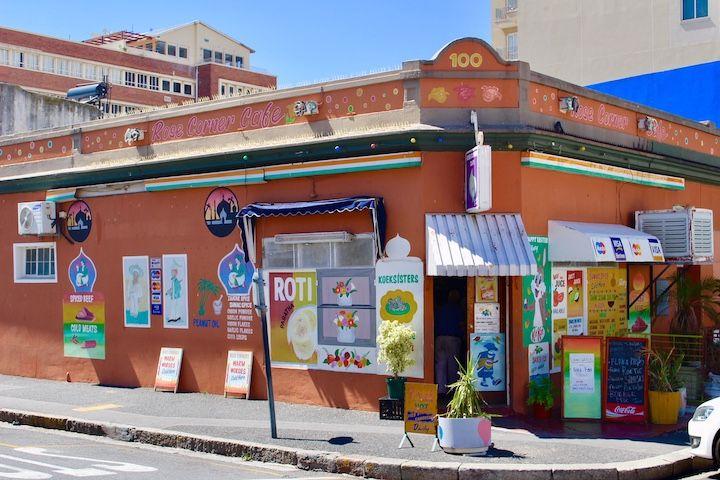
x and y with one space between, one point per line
664 407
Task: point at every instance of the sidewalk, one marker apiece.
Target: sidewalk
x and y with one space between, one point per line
518 443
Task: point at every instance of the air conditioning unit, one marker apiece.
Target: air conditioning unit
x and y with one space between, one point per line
685 233
36 218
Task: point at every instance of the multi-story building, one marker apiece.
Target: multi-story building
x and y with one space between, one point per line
171 66
661 53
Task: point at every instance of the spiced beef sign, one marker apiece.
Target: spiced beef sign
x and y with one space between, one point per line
626 379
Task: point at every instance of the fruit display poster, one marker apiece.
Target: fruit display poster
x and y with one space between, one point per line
575 294
486 289
488 352
639 318
537 290
84 325
582 377
292 316
558 315
421 408
399 294
607 301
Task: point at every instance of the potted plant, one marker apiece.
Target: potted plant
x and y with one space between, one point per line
540 397
465 428
395 348
688 297
665 398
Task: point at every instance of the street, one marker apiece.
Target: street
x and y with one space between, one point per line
34 454
715 475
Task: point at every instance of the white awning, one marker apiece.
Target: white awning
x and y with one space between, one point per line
461 245
601 242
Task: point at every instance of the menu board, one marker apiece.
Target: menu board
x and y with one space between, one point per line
167 376
607 301
626 379
421 408
582 377
238 373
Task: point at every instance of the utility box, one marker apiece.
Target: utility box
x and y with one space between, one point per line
685 233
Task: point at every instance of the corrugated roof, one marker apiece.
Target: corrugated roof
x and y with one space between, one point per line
478 245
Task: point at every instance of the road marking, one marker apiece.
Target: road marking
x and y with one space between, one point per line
8 445
95 408
107 464
71 472
21 473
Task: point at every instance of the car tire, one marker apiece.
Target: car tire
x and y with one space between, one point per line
716 451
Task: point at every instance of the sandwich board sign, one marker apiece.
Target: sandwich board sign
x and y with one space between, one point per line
168 371
238 373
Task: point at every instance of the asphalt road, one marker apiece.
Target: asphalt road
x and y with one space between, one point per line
714 475
29 454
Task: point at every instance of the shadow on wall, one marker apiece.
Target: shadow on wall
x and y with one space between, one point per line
348 391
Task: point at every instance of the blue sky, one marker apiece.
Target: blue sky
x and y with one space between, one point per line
298 41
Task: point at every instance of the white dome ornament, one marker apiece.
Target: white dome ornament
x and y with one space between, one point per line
397 247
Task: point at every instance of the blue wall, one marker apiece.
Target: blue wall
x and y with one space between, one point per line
692 92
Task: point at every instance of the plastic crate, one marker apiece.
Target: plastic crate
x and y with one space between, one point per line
392 409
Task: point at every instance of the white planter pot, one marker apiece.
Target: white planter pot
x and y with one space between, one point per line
464 435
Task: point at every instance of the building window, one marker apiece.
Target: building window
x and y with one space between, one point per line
154 82
182 52
76 69
4 56
172 50
511 5
695 9
187 89
239 62
35 262
32 61
48 64
63 68
160 47
228 60
130 79
207 55
18 59
115 76
358 252
512 46
177 88
149 47
218 57
142 80
166 85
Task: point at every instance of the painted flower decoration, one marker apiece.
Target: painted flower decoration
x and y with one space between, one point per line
346 319
346 359
344 289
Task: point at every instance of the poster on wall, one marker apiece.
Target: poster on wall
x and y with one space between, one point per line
488 352
421 408
156 286
486 317
167 376
238 373
478 179
399 296
560 329
235 274
136 291
84 325
639 318
79 221
221 210
175 284
538 360
607 301
582 377
292 317
536 296
626 380
82 273
486 289
559 300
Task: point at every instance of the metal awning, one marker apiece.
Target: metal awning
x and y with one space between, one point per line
601 242
478 245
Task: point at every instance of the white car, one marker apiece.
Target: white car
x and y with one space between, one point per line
704 430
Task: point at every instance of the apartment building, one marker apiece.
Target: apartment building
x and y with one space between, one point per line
661 53
170 66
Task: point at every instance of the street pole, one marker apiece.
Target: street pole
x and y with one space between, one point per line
262 312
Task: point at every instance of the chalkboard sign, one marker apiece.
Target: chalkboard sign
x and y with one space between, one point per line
626 378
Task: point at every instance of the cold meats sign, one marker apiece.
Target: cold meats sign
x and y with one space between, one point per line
625 380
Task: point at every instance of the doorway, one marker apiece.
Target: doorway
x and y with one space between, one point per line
450 320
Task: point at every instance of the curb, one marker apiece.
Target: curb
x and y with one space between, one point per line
660 467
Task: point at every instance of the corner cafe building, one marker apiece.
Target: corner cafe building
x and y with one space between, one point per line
150 253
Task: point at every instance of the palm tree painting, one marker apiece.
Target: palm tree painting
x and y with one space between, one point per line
205 289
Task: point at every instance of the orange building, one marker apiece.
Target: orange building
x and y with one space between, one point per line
149 251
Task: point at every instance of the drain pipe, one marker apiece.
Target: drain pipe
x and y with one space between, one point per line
507 341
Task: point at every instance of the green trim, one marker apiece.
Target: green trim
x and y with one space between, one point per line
201 183
592 173
330 171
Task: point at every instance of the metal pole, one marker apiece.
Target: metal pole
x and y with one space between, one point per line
262 312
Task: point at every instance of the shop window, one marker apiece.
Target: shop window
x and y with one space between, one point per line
35 262
358 252
695 9
182 52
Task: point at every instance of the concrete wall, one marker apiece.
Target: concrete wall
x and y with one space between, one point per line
23 111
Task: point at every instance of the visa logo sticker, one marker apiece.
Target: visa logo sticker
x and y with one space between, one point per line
618 249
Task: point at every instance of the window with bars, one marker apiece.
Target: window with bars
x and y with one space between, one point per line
130 79
154 83
142 80
35 262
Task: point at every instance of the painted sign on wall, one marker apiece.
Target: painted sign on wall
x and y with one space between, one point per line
175 283
536 296
488 352
167 376
607 301
238 373
221 209
538 359
136 292
582 377
82 273
639 317
486 289
421 408
486 317
84 325
79 221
